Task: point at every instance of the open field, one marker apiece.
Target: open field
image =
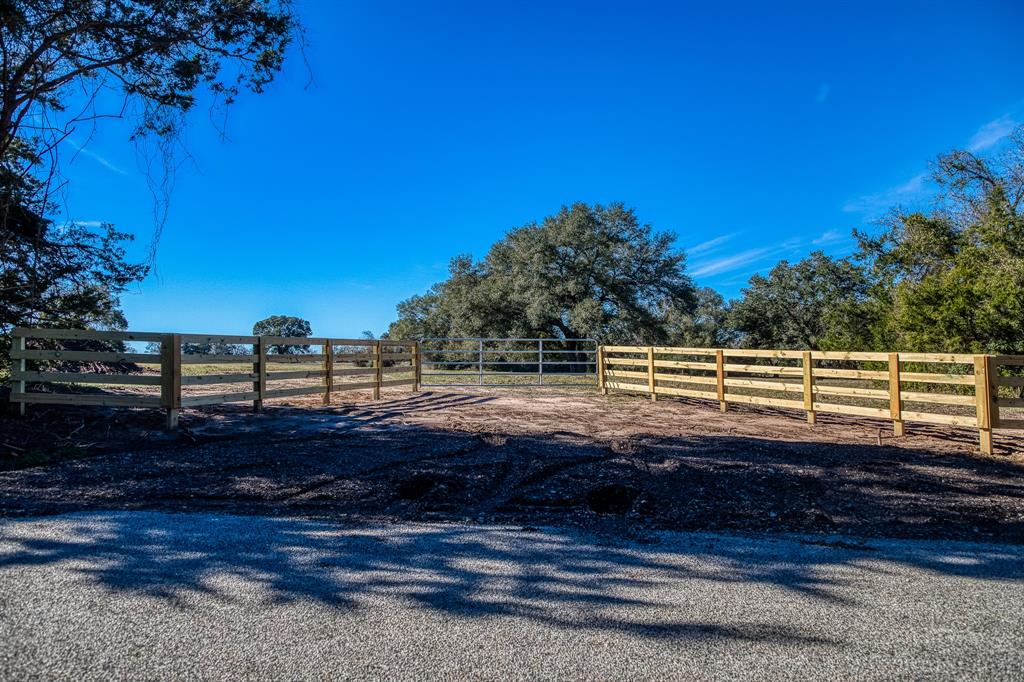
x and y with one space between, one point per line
618 463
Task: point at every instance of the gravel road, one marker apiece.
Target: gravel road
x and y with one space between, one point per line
130 595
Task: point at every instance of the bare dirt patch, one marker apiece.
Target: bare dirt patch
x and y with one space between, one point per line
619 462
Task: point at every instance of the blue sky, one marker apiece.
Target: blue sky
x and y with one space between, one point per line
754 132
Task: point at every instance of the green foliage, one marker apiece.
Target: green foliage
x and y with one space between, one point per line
809 304
706 325
283 325
587 271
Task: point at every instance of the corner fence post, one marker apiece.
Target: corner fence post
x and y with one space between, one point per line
328 370
720 379
808 367
600 371
650 373
259 368
378 374
170 377
983 400
19 386
895 396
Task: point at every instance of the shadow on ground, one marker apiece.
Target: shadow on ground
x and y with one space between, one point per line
554 577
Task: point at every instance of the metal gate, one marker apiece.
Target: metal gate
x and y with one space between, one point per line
509 363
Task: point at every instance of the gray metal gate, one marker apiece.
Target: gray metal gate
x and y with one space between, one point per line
508 362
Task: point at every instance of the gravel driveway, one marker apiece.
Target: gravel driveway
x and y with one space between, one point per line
128 595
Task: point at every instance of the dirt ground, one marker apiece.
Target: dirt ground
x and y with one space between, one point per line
617 463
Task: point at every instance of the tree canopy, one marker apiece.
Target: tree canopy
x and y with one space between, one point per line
284 325
587 271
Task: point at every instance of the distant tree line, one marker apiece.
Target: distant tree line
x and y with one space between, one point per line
951 279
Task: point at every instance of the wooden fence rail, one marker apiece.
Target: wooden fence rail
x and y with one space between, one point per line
953 389
341 365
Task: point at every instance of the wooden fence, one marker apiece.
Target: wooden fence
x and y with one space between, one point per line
164 379
936 388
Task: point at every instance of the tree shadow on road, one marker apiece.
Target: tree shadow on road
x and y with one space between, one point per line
558 578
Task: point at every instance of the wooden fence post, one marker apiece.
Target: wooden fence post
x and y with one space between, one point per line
170 377
19 386
650 373
379 374
600 371
259 368
720 379
895 397
417 366
983 400
808 367
328 370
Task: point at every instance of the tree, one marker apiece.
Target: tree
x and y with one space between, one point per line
587 271
954 280
284 325
810 304
56 58
706 325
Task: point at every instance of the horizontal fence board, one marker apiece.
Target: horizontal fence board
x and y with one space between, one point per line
855 356
626 373
87 378
218 398
352 357
1013 424
858 410
937 398
669 350
211 359
933 418
1009 360
855 391
352 342
208 379
625 349
286 392
685 392
625 361
850 373
288 359
760 400
964 358
297 374
626 386
684 378
678 364
397 382
354 371
1011 381
352 386
86 399
754 353
203 338
84 356
765 385
925 378
1011 402
765 369
86 334
295 340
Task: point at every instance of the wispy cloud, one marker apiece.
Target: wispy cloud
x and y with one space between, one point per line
95 157
874 205
823 90
990 134
736 261
828 237
709 245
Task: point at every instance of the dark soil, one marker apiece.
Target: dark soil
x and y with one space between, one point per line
619 464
